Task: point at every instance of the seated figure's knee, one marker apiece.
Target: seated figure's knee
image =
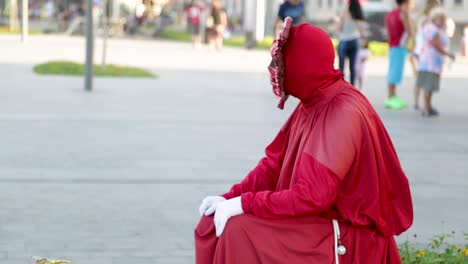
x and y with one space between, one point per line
205 226
236 225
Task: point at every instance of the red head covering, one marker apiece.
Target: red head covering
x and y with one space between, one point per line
302 62
309 62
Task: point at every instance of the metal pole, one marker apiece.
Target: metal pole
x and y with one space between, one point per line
89 46
25 24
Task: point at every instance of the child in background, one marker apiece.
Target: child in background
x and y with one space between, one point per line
431 58
361 58
421 21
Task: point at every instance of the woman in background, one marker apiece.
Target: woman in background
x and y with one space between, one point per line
217 24
350 28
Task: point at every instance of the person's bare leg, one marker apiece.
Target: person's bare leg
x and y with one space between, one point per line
416 97
197 39
212 42
430 102
414 64
219 39
219 43
391 90
427 102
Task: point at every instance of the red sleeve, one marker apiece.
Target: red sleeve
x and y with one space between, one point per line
265 175
324 162
314 191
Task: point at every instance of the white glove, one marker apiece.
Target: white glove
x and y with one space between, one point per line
226 210
208 205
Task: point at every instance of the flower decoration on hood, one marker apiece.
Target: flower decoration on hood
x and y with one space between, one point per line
276 67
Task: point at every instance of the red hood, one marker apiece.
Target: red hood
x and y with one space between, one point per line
309 63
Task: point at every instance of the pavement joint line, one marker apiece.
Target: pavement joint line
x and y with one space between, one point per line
119 181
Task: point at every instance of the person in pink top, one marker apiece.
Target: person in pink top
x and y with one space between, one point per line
399 30
421 20
431 58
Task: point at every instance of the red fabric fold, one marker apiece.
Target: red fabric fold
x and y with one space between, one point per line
298 240
303 198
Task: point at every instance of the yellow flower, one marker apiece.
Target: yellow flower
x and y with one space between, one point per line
421 253
465 252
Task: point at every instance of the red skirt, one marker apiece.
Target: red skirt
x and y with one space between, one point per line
305 239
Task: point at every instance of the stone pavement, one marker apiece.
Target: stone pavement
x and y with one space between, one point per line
116 175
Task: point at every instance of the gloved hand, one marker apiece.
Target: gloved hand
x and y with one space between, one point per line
226 210
208 205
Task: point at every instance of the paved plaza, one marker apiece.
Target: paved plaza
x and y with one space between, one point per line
115 176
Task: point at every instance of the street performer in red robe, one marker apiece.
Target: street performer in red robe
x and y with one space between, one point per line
330 188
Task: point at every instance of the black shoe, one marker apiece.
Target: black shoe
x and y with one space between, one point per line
431 113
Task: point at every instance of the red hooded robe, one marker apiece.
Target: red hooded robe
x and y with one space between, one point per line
332 159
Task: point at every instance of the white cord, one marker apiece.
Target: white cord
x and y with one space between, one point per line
336 233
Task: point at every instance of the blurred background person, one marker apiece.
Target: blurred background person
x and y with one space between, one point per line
399 29
77 17
421 20
48 10
216 24
194 12
361 58
63 16
290 8
350 29
431 58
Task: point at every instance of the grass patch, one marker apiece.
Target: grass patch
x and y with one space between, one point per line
238 41
376 48
6 30
265 43
439 251
235 42
77 69
176 35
